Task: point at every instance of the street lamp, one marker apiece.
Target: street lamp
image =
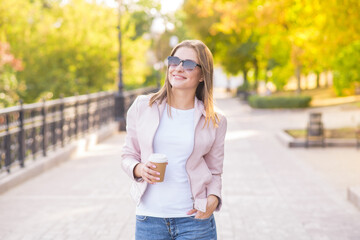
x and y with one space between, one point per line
119 95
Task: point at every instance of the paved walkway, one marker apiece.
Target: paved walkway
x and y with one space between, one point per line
270 192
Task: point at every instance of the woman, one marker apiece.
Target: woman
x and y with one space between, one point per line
178 121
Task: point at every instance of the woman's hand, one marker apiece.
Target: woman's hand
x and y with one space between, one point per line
144 170
212 203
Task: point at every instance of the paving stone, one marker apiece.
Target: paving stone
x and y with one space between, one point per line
269 192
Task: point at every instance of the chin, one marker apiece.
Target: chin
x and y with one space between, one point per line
177 84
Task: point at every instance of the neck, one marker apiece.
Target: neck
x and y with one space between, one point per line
182 99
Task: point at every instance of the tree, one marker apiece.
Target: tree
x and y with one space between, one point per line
302 36
72 48
9 84
346 70
220 25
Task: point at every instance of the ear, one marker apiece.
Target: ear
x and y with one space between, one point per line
201 80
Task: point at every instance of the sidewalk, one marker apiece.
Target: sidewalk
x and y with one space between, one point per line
270 192
273 192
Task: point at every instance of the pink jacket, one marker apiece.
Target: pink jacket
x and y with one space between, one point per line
205 164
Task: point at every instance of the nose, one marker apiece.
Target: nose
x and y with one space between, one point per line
180 66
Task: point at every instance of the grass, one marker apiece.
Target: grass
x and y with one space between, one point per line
347 133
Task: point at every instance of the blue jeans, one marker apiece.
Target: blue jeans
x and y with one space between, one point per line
184 228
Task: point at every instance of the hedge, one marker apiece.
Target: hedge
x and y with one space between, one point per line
256 101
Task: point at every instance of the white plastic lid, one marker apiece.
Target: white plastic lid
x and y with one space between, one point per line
158 158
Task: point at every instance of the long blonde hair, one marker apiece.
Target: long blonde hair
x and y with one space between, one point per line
204 90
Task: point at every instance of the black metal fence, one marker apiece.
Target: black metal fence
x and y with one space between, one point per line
30 130
27 131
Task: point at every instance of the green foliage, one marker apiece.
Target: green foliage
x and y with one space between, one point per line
280 36
281 75
256 101
9 87
9 84
234 49
347 70
73 48
244 88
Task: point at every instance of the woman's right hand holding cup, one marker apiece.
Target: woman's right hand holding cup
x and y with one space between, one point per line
146 172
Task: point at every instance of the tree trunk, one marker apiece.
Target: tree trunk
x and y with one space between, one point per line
245 71
256 74
266 74
298 77
327 79
317 79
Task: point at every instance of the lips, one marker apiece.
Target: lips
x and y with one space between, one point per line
178 77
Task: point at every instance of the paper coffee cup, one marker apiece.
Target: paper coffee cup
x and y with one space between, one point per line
160 161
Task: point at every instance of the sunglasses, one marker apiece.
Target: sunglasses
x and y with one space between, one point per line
188 65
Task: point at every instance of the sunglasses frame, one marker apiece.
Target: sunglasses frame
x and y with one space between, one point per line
183 62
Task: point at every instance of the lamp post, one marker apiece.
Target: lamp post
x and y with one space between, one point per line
119 95
156 29
120 84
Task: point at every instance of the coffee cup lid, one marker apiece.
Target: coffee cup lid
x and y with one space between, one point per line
158 158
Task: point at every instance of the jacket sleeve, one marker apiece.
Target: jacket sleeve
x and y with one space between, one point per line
214 160
131 154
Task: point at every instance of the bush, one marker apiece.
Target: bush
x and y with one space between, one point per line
256 101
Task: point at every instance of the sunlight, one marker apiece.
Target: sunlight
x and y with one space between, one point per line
170 6
234 135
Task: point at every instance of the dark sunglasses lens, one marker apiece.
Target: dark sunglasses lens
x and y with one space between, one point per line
189 65
173 61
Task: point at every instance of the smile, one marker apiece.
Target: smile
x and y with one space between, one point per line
178 77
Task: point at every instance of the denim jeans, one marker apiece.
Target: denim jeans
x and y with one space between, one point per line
184 228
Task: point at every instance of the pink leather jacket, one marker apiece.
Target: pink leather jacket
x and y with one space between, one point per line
205 164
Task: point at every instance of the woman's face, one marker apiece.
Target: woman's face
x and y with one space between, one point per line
185 79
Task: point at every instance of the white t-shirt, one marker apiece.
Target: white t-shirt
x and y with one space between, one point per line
175 138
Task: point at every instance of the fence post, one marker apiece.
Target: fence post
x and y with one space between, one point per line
88 113
7 145
101 117
76 116
21 135
53 127
62 120
120 110
44 128
108 108
98 110
33 134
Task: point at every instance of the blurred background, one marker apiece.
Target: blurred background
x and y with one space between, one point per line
50 48
101 54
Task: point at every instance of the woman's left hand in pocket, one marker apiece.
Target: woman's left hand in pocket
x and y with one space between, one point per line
212 203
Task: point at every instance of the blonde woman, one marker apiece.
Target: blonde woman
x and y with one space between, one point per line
178 121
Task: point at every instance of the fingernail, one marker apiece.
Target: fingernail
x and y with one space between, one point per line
157 173
154 166
157 178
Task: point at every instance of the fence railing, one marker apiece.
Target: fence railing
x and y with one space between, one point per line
27 131
30 130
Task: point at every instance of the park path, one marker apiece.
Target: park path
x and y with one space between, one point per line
270 192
